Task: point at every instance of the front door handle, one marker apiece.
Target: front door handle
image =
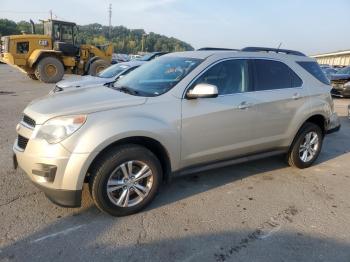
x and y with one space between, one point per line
244 105
296 96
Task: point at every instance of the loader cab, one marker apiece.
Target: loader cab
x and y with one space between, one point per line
63 36
60 31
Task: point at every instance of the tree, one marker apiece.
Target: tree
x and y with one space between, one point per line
123 39
24 26
8 27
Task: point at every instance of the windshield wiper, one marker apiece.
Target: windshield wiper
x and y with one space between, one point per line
127 90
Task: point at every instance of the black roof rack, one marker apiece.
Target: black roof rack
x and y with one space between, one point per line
276 50
216 49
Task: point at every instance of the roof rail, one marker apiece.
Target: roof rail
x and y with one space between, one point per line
216 49
276 50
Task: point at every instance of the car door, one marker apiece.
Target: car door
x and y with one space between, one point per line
219 128
279 96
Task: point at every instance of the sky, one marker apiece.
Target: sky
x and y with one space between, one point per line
310 26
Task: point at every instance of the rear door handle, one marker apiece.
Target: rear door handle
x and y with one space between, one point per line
296 96
244 105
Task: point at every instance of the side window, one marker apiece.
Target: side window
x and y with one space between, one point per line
271 75
314 69
22 47
230 77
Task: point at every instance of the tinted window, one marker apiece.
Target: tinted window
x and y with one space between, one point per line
229 76
22 47
314 69
274 75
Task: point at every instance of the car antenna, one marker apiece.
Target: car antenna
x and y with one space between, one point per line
279 46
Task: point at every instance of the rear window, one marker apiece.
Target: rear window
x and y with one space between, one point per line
314 69
271 75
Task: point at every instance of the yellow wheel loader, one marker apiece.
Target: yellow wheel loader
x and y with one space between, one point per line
49 56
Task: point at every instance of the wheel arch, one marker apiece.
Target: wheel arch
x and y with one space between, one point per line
39 54
317 119
89 63
150 143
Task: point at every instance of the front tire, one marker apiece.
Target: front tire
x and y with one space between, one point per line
306 146
49 70
97 66
125 180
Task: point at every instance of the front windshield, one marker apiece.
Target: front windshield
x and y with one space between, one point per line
158 76
112 71
344 71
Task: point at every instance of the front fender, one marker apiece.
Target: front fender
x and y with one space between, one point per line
38 53
99 132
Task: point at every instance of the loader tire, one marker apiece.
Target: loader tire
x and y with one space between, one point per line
98 66
49 70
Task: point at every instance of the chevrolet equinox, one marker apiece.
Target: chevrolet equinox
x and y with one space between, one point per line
181 113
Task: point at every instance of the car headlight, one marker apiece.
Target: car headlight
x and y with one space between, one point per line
57 129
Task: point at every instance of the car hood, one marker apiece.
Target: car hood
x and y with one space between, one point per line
339 77
80 101
81 81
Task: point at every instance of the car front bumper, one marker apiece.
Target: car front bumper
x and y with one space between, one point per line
57 172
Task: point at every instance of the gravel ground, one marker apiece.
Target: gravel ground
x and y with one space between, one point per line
258 211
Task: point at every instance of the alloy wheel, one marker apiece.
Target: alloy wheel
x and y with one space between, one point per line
309 147
130 183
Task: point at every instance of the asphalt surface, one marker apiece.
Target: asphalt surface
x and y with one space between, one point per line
258 211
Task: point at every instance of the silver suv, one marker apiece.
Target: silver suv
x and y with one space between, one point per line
181 113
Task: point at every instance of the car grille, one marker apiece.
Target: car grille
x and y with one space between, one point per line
22 142
29 121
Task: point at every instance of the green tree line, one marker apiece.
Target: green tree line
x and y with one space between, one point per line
129 41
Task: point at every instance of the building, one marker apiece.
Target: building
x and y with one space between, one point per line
340 58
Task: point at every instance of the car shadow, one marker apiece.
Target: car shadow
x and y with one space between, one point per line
91 235
336 144
104 240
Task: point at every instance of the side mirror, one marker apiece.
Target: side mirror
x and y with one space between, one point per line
203 91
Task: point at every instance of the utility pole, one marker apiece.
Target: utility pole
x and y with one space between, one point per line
143 42
110 20
50 14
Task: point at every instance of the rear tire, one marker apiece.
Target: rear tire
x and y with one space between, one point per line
306 146
97 66
49 70
119 172
32 76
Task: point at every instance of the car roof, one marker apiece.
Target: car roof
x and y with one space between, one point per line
225 53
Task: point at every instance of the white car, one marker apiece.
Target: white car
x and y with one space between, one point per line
107 76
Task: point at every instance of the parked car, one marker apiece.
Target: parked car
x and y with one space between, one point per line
178 114
151 56
329 72
119 58
341 82
107 76
134 57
